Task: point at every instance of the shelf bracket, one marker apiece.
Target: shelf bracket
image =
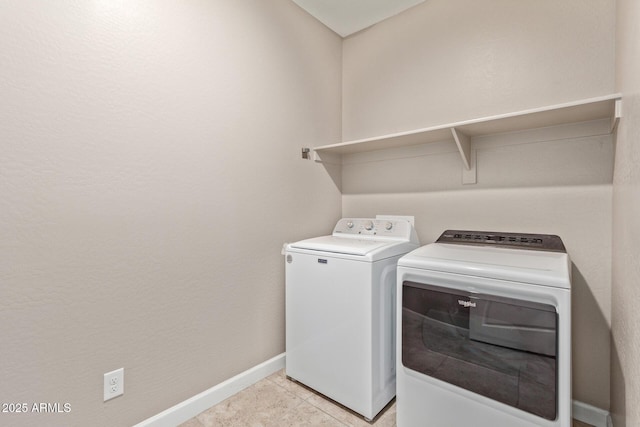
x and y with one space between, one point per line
617 114
327 158
464 147
468 155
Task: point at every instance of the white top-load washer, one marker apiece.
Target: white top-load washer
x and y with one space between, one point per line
340 310
484 332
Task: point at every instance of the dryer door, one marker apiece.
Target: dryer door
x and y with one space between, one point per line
501 348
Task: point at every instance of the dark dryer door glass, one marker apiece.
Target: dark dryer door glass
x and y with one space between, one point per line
501 348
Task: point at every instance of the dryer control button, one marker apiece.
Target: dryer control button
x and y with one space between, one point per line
388 225
368 225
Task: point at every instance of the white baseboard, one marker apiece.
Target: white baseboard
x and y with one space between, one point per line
191 407
591 415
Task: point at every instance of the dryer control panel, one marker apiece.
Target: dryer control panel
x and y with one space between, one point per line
374 228
540 242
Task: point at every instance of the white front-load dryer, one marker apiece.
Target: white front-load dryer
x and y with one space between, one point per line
484 332
340 311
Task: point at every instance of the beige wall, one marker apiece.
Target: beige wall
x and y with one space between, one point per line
625 352
445 61
150 173
450 60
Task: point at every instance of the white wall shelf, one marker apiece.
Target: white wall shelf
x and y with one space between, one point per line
603 107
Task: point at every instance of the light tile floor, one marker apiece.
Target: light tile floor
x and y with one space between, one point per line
279 402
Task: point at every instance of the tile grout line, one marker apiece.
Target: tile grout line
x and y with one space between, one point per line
325 412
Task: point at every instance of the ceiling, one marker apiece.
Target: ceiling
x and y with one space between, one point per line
346 17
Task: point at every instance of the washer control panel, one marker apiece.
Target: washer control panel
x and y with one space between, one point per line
373 227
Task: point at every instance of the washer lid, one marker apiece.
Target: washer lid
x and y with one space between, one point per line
515 265
341 245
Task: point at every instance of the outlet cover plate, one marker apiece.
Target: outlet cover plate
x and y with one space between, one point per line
113 384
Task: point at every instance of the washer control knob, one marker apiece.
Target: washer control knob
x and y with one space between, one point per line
368 225
388 225
349 224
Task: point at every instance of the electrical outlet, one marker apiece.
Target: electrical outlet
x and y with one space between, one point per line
113 384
